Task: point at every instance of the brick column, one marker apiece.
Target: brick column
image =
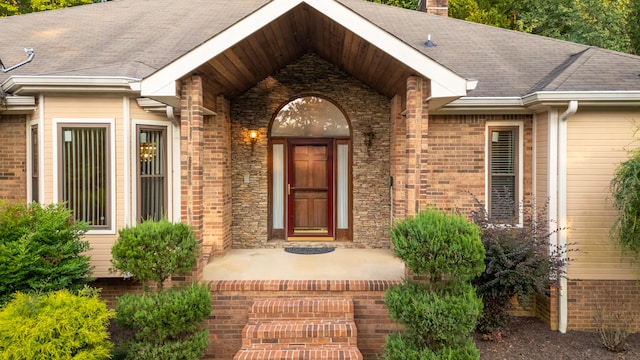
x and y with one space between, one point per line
217 181
191 161
417 128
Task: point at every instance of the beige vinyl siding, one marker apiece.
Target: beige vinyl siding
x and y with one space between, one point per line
542 158
597 142
58 107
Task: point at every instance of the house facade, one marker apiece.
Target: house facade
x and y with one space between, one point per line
265 124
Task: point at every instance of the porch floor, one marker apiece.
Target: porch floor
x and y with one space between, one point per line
276 264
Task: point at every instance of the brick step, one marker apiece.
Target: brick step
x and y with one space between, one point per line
300 332
301 308
300 352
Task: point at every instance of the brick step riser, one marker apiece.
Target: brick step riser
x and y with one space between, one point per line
278 309
296 354
300 316
295 333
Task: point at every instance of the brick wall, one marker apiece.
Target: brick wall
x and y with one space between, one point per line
13 158
585 297
453 165
232 299
366 110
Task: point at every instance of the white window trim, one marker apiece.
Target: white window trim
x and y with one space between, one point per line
171 174
109 122
487 191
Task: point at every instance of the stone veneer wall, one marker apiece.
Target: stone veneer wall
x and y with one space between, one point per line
13 164
365 108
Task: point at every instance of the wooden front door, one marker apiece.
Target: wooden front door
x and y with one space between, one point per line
310 189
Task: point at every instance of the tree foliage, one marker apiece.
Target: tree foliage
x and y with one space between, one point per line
609 24
15 7
625 189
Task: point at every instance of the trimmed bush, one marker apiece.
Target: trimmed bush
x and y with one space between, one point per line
57 325
41 249
439 311
435 245
155 250
167 323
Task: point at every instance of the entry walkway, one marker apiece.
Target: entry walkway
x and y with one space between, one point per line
276 264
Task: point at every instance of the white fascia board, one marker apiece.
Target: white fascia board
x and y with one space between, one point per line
585 97
485 105
161 84
444 82
42 84
18 105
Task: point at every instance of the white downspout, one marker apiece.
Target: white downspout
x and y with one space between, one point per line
562 208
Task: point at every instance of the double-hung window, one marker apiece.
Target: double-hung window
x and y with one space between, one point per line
84 157
152 173
503 174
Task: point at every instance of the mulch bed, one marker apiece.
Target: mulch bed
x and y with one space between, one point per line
531 339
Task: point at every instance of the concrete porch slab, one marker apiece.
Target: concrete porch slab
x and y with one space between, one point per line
276 264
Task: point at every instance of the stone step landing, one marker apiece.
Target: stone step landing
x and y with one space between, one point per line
300 328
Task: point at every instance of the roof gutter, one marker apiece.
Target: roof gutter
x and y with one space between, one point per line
36 85
562 211
12 105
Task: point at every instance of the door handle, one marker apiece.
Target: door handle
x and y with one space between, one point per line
288 189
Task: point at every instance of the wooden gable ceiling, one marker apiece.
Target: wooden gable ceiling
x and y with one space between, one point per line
287 38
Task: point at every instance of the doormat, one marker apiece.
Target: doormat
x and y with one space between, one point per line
309 250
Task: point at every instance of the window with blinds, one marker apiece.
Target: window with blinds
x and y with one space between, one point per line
152 174
503 179
85 173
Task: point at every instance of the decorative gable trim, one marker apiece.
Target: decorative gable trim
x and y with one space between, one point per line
445 84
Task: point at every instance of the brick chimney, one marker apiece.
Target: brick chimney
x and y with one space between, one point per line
435 7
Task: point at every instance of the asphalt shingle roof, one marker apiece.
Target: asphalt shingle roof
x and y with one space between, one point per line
134 38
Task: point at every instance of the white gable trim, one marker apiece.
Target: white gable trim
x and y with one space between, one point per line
161 85
444 82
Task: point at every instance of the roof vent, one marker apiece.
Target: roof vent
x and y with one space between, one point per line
429 43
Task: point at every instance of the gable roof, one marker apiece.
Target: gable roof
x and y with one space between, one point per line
140 40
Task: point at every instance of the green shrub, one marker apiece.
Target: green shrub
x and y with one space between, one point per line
167 324
189 348
442 315
518 264
155 250
56 325
625 189
434 244
440 311
41 249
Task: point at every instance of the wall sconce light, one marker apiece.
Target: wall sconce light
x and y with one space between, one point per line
369 135
253 137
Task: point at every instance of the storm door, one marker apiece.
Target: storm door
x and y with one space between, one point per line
310 189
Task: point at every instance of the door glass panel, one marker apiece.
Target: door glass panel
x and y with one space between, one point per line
278 186
343 186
